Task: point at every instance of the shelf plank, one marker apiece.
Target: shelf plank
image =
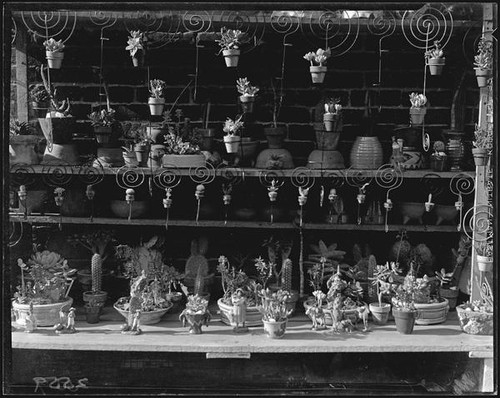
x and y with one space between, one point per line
55 219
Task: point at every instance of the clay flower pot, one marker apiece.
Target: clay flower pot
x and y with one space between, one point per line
380 314
54 59
156 106
92 314
436 65
142 154
480 156
482 76
232 143
417 115
247 102
231 57
484 263
275 330
317 73
405 320
329 119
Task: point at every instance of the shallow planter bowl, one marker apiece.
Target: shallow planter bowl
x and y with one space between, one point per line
147 317
45 314
253 315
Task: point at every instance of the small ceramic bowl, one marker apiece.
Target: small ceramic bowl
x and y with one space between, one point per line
412 211
445 213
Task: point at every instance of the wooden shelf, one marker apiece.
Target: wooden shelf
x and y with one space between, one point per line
243 172
55 219
219 339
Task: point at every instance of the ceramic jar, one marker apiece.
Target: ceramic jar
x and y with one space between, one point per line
366 153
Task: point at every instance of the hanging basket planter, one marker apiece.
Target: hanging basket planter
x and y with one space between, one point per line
231 57
484 263
156 106
436 65
232 143
417 115
318 74
480 156
482 76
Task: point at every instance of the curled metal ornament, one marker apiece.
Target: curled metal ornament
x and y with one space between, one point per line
129 177
102 19
389 177
22 174
433 184
57 175
145 21
302 178
358 178
202 174
382 23
271 178
477 222
170 31
423 27
91 173
166 177
470 42
335 178
286 22
197 22
14 236
251 23
50 24
462 184
231 175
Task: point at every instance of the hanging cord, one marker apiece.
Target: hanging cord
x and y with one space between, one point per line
197 62
50 140
425 137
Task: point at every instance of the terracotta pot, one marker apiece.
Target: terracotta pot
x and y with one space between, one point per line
92 314
405 320
142 154
61 154
482 76
366 153
484 263
54 59
317 73
208 135
99 297
480 156
45 314
275 330
231 57
330 120
325 159
40 108
417 115
439 164
436 65
156 106
380 314
232 143
22 149
247 102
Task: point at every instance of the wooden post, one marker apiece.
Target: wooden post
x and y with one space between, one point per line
21 75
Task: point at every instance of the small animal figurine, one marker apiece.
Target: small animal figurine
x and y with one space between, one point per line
317 316
238 311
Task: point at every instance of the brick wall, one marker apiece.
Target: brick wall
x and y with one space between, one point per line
349 77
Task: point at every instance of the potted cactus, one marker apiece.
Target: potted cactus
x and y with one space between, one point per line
196 313
229 43
482 145
232 139
435 59
248 92
54 53
156 101
137 47
483 61
22 143
317 67
417 109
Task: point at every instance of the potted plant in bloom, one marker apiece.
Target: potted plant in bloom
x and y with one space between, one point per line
54 52
248 92
476 317
196 313
102 121
156 101
275 312
46 289
381 279
439 157
482 145
417 109
232 139
435 59
22 143
483 61
229 43
137 47
317 59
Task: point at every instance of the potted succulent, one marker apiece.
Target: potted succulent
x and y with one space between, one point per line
129 156
248 92
483 61
381 279
332 115
403 304
102 121
46 289
40 99
438 157
417 109
54 52
484 255
182 142
92 311
435 59
275 312
236 280
136 44
172 279
317 59
196 313
22 143
476 317
138 143
446 289
143 266
232 139
482 145
156 101
229 43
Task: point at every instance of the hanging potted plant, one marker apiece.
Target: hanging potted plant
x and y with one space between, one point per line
483 62
156 101
435 59
381 279
482 145
247 91
102 121
232 139
54 53
317 59
137 47
40 99
484 256
229 43
22 143
275 312
417 109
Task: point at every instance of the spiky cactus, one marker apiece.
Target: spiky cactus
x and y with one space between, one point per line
96 270
199 282
286 275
